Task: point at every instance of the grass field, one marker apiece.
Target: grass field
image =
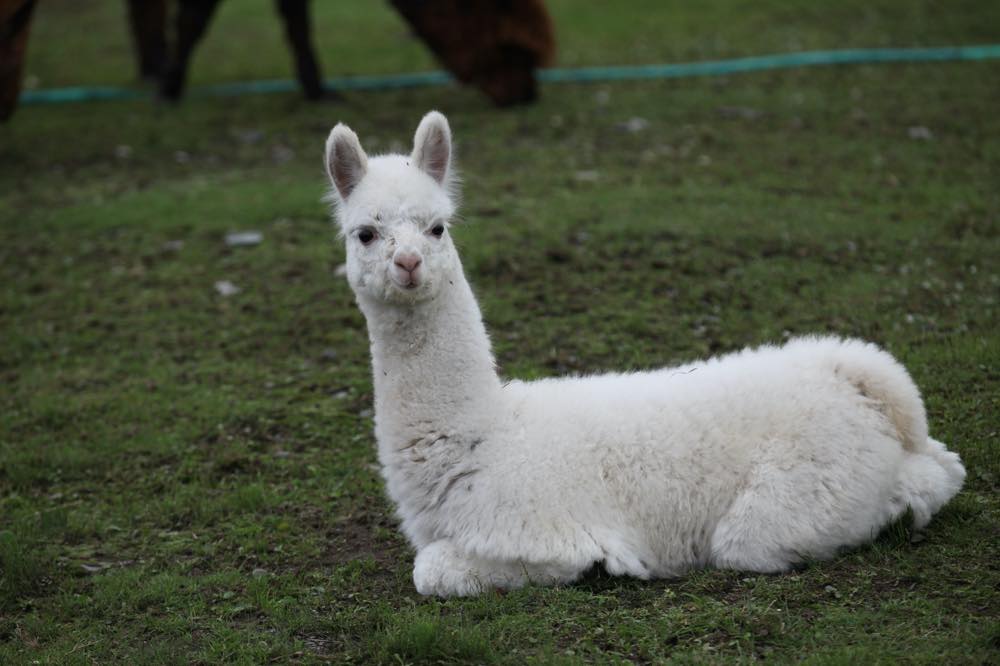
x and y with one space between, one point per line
189 478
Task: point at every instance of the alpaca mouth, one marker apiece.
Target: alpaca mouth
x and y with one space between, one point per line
406 284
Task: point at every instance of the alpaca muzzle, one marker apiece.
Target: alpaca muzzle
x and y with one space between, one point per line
406 268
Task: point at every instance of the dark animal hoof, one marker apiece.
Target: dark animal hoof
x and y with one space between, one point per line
171 88
323 95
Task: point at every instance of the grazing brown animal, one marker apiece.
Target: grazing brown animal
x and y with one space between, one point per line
15 20
495 45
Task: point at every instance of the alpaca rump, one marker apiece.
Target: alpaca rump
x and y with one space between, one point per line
753 461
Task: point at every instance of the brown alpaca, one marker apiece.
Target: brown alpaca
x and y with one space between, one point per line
495 45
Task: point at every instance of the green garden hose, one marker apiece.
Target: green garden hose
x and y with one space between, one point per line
559 75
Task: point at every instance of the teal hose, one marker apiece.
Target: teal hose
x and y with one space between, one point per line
560 75
776 61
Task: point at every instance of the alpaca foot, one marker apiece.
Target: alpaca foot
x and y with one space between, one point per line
441 570
323 95
172 85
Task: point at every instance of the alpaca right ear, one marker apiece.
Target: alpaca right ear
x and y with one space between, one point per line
346 162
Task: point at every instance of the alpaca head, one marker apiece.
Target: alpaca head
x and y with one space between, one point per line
394 212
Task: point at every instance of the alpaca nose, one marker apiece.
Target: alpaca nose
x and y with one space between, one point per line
408 261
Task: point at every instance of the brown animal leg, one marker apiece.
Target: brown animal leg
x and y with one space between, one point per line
193 17
148 22
15 19
295 14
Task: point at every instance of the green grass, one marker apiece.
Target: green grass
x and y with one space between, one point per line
187 478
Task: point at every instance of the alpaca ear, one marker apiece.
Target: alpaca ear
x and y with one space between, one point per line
432 147
346 162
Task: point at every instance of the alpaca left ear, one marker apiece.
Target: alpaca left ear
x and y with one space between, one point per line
432 147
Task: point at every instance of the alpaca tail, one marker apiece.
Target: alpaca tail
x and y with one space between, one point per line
878 376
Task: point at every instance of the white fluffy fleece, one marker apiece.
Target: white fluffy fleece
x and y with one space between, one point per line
754 460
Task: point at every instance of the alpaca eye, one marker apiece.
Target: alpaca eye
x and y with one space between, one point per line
366 236
438 230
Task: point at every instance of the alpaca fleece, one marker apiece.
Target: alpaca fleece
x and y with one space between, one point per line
754 460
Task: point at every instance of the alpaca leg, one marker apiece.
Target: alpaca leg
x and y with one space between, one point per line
193 17
15 19
295 14
148 22
441 569
751 537
811 505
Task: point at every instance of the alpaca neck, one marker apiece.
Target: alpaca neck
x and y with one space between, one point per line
431 363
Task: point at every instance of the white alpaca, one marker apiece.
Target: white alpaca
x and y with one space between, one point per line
751 461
